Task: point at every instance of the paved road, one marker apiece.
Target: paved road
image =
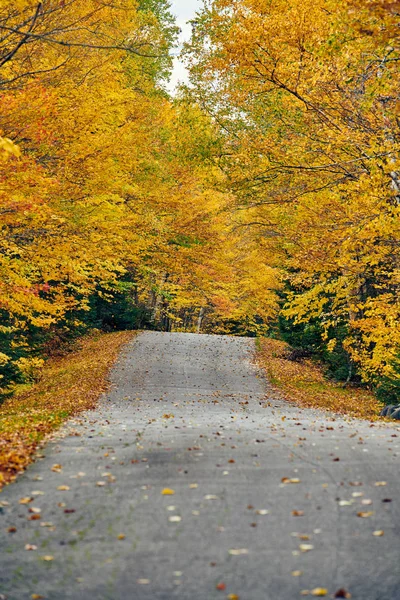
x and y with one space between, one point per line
191 414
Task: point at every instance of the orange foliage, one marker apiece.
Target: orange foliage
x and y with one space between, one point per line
69 385
304 383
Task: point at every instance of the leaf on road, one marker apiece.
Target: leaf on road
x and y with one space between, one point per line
380 483
297 513
175 519
63 488
121 536
342 593
290 480
297 573
379 533
365 515
238 551
221 586
30 547
319 592
306 547
26 500
167 492
47 558
56 468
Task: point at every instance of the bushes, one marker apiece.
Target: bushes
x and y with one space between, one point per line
310 339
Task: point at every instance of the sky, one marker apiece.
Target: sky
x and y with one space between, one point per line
184 10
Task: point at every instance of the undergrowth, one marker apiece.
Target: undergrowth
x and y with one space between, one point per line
68 385
304 383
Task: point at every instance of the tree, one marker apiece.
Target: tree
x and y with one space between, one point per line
305 95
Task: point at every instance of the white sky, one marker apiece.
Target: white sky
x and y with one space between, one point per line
185 11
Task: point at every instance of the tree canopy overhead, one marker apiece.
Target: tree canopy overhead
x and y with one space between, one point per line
266 192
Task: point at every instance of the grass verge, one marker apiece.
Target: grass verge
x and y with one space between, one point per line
304 383
68 385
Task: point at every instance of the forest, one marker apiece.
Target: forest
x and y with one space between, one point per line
263 199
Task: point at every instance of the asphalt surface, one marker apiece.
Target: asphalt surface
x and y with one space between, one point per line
192 415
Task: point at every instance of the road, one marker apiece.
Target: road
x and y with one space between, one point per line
192 481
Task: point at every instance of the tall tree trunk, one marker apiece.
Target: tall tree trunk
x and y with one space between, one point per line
200 319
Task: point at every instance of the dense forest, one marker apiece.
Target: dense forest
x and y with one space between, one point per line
262 199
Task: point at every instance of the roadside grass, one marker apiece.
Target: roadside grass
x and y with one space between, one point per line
68 385
304 383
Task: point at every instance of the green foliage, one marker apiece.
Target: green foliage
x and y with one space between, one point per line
309 339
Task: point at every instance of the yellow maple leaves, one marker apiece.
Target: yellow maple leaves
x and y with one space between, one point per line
312 157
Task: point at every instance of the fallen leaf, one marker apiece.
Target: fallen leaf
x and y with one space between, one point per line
211 497
319 592
297 573
288 480
238 551
175 519
167 492
306 547
26 500
380 483
56 468
233 597
342 593
262 512
297 513
63 488
379 533
365 515
143 581
35 518
47 558
30 547
121 536
11 530
221 586
100 483
37 597
193 486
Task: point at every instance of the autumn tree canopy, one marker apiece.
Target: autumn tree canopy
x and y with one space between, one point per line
266 192
305 95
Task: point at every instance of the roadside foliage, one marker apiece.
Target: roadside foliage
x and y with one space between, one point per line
306 97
